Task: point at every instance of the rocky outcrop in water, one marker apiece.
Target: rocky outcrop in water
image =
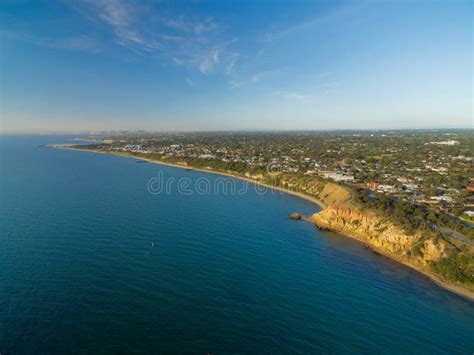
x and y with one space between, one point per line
295 216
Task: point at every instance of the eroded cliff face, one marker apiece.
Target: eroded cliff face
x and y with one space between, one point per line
380 234
449 263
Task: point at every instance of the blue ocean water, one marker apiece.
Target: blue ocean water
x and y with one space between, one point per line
92 262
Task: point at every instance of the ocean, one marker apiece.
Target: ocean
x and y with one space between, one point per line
95 258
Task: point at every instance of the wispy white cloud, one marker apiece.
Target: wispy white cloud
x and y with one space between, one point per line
333 16
190 41
233 58
177 61
235 84
187 25
256 78
292 95
190 82
193 42
123 18
208 62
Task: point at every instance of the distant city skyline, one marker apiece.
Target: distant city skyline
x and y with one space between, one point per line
218 65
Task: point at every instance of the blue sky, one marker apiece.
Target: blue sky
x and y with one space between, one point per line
224 65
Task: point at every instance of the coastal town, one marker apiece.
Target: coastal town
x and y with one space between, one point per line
433 169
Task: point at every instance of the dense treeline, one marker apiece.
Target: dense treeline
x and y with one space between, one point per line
410 216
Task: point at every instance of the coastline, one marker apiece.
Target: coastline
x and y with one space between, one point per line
321 205
459 291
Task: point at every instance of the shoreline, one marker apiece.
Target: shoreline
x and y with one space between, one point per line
458 291
321 205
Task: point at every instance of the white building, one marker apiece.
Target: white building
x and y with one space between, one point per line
450 142
338 176
386 188
442 198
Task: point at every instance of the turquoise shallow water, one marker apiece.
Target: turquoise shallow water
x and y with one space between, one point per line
92 262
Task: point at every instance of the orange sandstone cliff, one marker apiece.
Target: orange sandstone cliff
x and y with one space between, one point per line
449 262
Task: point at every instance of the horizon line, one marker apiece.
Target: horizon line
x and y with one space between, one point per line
149 131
